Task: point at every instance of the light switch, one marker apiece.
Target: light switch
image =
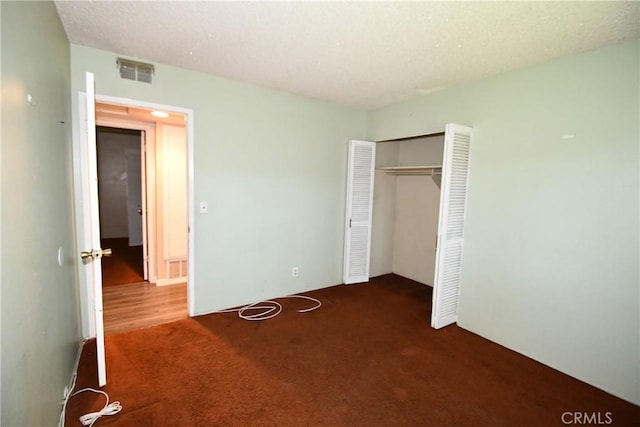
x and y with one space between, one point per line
204 207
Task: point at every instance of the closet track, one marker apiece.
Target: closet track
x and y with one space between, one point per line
410 138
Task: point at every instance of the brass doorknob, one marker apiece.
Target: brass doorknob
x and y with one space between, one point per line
95 253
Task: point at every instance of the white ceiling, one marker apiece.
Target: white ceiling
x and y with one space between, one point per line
359 54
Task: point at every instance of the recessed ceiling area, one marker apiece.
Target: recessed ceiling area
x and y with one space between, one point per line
359 54
123 112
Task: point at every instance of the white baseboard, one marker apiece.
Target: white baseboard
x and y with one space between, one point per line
77 363
68 389
174 281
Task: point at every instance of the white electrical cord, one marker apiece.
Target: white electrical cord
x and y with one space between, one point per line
90 418
108 409
269 311
65 400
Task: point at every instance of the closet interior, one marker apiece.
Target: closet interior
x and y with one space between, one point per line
405 212
406 202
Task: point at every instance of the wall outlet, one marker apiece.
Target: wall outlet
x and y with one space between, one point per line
295 272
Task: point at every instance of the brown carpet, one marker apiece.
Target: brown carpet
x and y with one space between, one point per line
367 357
124 266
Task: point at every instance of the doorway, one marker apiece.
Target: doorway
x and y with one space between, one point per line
142 219
120 201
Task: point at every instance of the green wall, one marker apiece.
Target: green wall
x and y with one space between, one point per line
272 167
550 264
39 310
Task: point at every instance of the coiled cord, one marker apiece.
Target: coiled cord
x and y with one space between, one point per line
90 418
108 409
270 308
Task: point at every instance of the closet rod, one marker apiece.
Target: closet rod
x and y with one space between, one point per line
409 138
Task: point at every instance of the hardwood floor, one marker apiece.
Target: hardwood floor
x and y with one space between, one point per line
124 266
139 305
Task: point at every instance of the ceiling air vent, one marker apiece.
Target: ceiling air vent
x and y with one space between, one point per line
134 70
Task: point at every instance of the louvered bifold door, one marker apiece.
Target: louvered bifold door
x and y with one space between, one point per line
453 201
357 244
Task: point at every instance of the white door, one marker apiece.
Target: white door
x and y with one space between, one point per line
453 201
92 254
357 242
134 196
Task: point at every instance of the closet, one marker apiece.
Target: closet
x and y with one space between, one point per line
406 201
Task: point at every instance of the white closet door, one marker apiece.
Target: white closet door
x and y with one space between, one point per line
453 201
357 242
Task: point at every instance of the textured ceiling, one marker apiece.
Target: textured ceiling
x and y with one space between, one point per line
363 55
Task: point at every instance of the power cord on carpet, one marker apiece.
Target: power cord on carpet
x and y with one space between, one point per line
269 311
90 418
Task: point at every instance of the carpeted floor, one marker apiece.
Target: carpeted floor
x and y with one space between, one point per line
367 357
124 266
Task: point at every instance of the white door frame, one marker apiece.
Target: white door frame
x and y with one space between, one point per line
88 325
148 154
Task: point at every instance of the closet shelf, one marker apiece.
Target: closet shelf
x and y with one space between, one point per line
413 170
